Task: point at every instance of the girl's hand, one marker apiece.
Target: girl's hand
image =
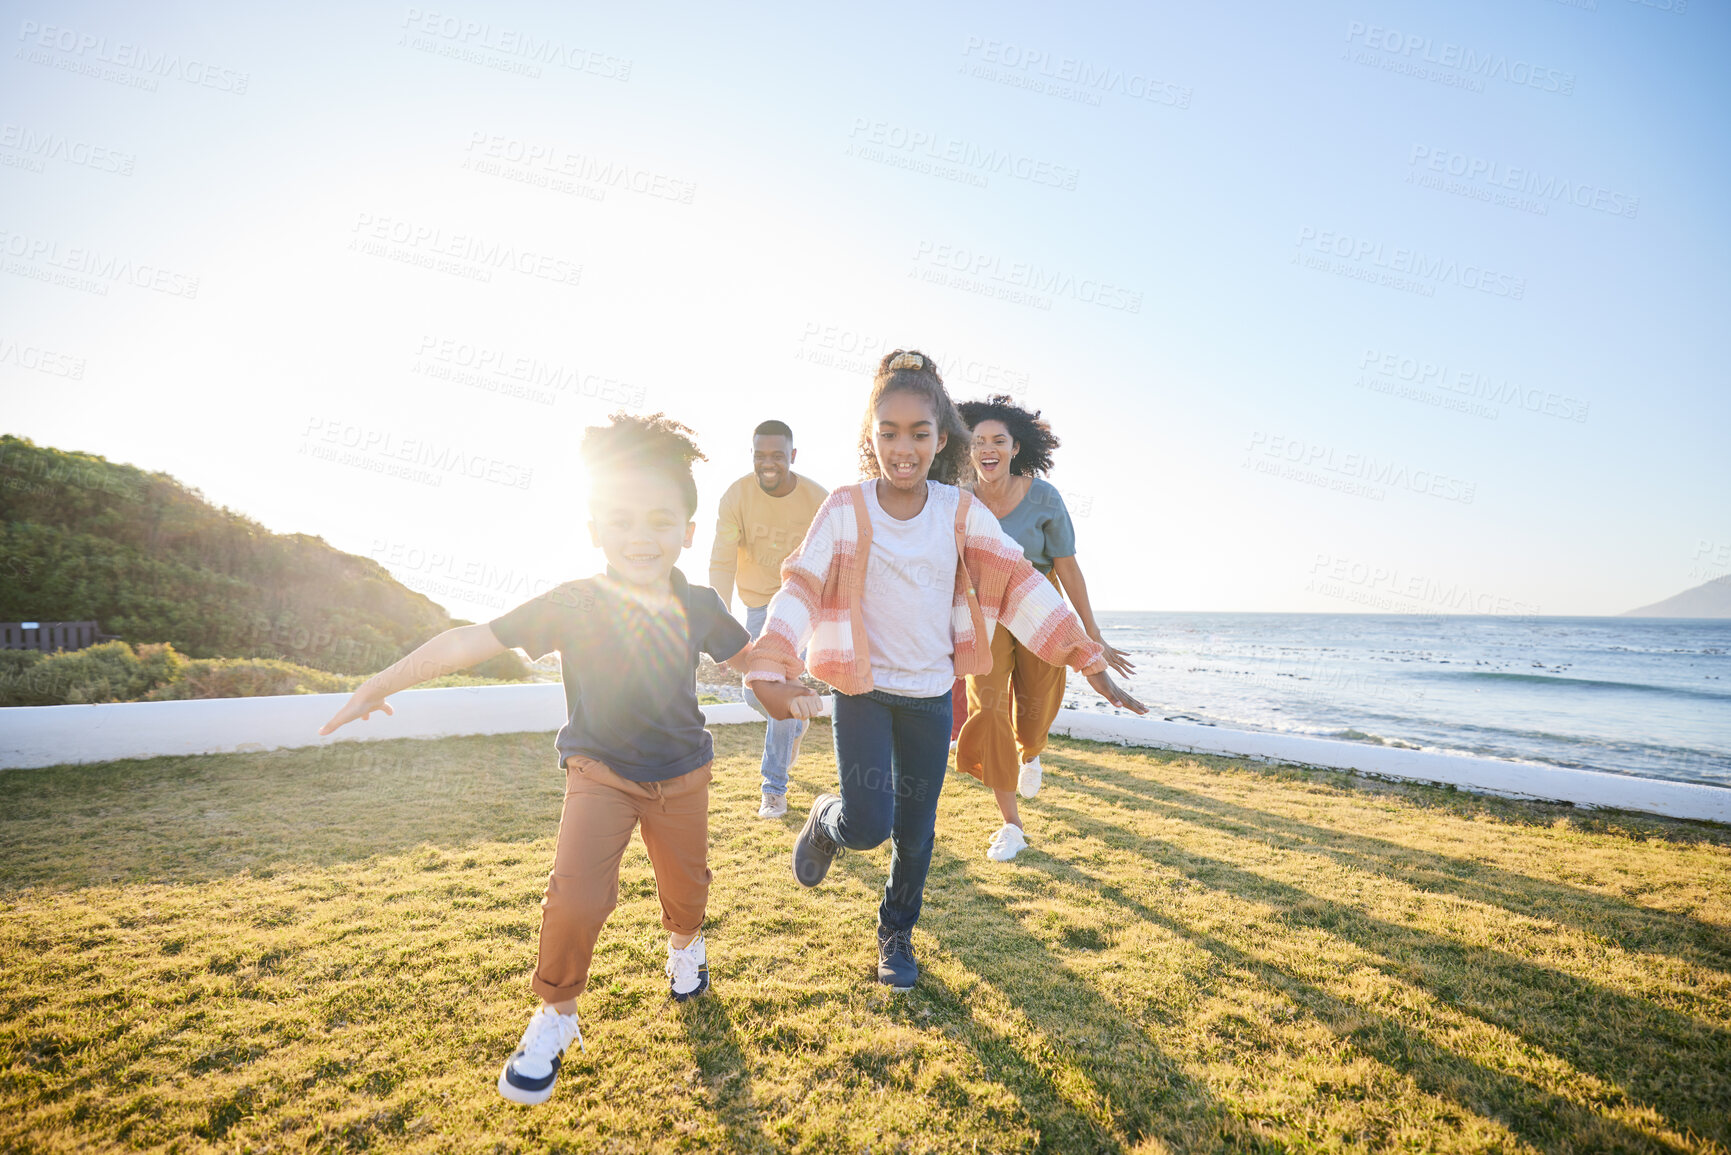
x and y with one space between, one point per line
361 705
784 700
1113 693
1115 658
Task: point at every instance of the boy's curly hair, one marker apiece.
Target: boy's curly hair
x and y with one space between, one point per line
950 466
1028 430
656 443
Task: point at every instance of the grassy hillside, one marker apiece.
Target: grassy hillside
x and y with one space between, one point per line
85 538
329 950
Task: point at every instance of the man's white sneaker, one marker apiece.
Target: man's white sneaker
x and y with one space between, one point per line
774 805
687 970
1028 781
533 1067
1008 842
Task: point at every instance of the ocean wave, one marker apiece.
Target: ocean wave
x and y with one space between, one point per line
1581 683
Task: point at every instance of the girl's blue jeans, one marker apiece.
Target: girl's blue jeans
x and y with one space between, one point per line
891 754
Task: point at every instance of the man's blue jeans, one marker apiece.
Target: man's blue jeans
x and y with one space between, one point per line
891 754
780 739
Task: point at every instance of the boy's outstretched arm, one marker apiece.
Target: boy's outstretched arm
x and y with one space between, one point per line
455 649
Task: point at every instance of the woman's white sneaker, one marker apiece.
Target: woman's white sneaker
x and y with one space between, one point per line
1028 780
533 1067
687 970
1008 842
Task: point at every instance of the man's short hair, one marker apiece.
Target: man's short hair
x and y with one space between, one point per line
774 429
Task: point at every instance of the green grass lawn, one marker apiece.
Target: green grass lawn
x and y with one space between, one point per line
329 950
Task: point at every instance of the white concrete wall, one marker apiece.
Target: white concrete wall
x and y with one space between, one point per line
1483 775
51 735
55 735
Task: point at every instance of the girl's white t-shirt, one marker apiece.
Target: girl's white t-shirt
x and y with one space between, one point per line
909 587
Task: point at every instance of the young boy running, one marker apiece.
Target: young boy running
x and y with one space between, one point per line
763 518
633 746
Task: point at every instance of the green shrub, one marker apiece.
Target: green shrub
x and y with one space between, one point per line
109 672
506 667
249 678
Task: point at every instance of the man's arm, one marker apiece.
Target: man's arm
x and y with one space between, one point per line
455 649
724 554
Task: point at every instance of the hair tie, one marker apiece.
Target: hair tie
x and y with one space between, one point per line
907 361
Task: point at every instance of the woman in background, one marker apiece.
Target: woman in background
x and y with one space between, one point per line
1011 709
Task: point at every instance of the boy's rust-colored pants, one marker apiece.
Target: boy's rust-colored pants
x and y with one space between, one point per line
601 809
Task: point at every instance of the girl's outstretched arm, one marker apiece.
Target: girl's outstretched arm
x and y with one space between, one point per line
455 649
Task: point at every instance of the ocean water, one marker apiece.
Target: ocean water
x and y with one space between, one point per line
1647 697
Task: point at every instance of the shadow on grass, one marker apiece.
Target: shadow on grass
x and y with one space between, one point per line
1647 1053
727 1076
1633 926
209 817
1091 1079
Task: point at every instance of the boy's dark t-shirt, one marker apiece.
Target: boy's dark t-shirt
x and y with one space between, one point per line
630 690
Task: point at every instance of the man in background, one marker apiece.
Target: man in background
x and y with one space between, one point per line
763 518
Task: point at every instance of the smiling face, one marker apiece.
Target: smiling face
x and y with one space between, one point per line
771 458
907 438
638 519
993 449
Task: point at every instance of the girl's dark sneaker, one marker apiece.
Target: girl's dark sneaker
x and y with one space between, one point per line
896 966
813 850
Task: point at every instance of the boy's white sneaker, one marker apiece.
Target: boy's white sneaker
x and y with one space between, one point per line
687 970
1008 842
774 805
1028 780
533 1067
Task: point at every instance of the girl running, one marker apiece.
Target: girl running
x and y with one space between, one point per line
898 588
1010 708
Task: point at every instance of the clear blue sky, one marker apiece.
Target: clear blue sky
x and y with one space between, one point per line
1331 304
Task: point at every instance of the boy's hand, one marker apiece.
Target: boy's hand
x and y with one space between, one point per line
1112 692
786 700
361 705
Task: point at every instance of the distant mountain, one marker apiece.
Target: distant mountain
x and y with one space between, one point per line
1708 600
151 560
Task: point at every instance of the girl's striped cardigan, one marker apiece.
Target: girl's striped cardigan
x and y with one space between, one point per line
817 608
